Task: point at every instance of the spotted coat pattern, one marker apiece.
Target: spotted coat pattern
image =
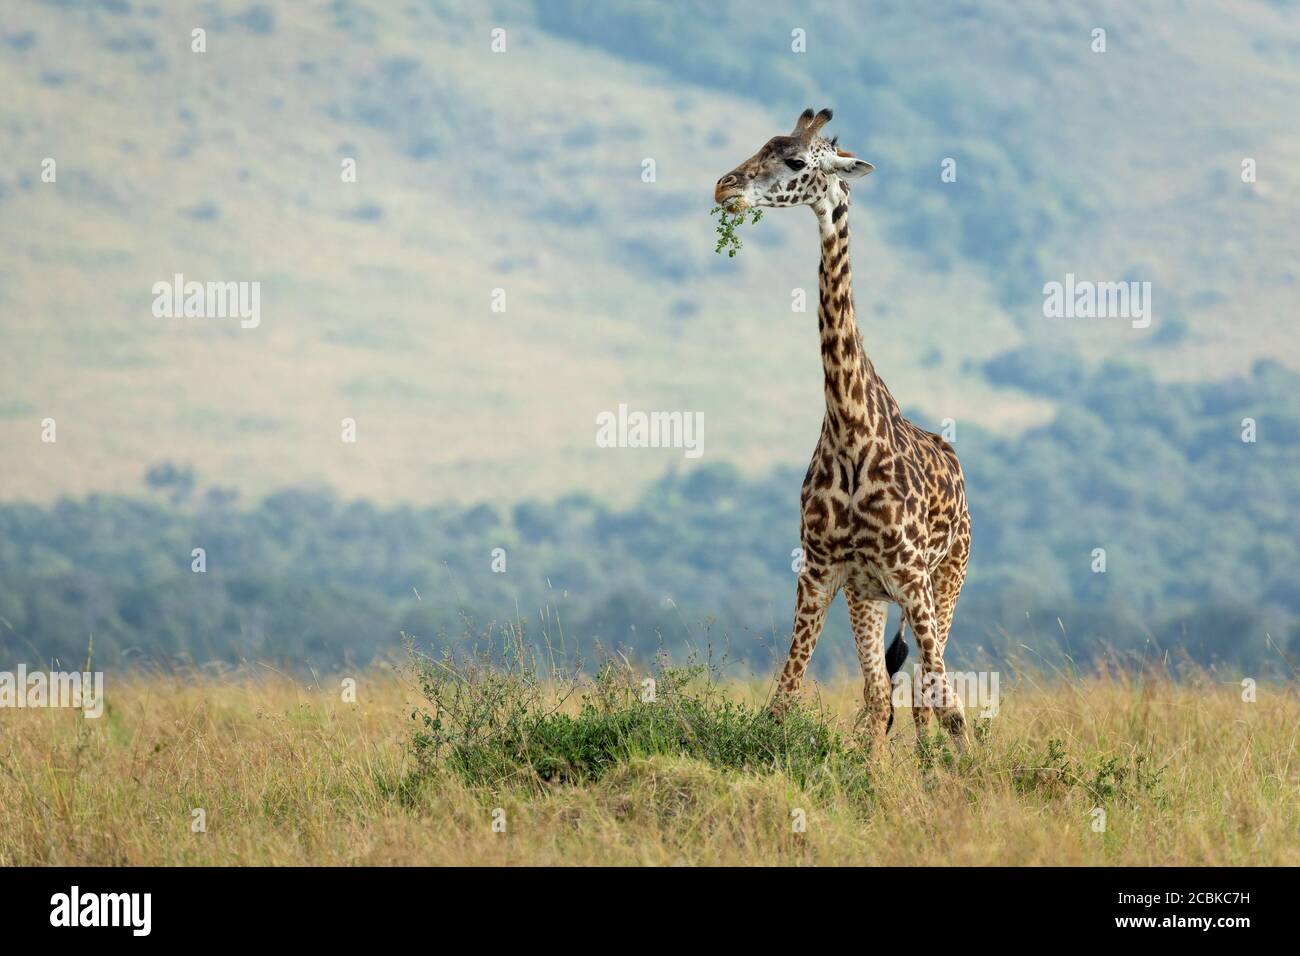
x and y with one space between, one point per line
883 505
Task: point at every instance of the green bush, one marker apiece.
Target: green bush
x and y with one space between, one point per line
497 719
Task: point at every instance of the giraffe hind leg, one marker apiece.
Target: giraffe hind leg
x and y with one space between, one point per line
895 655
868 620
947 581
936 694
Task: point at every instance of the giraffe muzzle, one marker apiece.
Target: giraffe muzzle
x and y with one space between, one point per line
728 190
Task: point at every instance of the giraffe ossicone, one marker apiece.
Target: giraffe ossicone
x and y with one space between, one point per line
883 506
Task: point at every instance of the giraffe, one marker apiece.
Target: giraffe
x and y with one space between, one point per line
883 506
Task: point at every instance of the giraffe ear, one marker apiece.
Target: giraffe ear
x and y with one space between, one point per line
847 166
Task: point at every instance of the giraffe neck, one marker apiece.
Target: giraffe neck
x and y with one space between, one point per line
855 396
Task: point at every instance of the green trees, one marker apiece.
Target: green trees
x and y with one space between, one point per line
1196 529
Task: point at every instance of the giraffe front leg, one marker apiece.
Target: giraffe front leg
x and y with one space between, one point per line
811 601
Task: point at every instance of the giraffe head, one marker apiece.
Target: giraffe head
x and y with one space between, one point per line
801 169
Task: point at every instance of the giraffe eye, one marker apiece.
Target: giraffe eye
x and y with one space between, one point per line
796 164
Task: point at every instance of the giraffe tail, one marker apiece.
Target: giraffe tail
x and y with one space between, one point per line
896 653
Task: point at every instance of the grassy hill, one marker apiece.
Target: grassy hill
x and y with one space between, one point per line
522 171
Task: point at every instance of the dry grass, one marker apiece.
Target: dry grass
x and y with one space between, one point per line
289 774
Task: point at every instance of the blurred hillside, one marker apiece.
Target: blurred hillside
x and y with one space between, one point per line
1199 531
522 171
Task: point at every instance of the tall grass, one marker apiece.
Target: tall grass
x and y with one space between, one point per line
585 771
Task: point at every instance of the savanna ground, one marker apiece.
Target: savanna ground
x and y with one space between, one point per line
287 772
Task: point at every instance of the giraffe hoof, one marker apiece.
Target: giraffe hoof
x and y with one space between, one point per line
955 724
